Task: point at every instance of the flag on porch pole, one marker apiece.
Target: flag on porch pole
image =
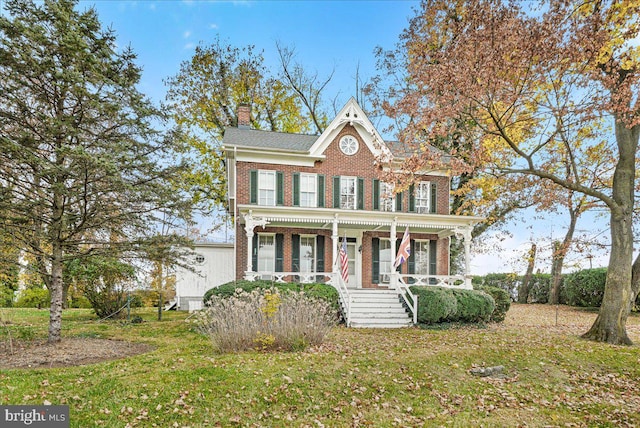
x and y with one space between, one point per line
344 260
405 249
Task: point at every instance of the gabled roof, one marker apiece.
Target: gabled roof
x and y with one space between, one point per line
353 115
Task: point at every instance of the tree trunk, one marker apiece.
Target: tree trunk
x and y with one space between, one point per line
523 291
610 325
559 253
55 289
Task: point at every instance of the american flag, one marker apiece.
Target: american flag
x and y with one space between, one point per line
405 249
344 261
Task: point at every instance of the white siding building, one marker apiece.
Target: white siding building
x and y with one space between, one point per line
214 264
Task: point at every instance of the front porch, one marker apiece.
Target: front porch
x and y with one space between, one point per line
287 244
384 307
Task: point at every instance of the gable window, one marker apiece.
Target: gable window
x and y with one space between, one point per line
421 257
423 197
307 253
387 201
266 188
266 253
308 190
348 193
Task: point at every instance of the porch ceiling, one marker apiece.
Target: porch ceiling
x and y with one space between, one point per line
323 218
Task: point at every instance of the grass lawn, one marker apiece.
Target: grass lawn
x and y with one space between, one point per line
382 378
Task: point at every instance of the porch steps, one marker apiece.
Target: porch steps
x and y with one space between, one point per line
377 309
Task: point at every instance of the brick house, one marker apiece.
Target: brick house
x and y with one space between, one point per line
296 198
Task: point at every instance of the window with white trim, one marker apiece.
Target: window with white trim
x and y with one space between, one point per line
308 190
266 188
348 192
307 253
421 257
266 252
387 200
386 264
423 197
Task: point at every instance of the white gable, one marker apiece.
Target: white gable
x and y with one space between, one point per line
353 115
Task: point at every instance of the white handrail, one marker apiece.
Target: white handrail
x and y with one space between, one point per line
404 291
343 291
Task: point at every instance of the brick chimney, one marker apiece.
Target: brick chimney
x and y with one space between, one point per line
244 116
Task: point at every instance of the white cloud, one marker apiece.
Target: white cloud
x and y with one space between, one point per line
213 26
186 34
189 46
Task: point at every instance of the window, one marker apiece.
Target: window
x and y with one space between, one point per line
387 200
386 264
308 190
423 197
267 188
421 257
348 193
266 253
307 254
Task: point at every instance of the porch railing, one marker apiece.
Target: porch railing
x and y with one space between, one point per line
446 281
410 299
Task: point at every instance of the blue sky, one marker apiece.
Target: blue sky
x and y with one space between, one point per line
327 35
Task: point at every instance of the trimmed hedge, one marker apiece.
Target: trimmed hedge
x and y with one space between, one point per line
586 287
321 291
501 299
539 288
436 304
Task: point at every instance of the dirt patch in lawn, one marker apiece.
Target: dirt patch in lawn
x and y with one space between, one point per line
69 352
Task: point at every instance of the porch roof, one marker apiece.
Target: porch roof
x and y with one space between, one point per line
323 218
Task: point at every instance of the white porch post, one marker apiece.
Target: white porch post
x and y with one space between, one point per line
465 234
393 239
334 244
250 223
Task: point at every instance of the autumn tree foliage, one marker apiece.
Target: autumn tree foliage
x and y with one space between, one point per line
204 96
549 93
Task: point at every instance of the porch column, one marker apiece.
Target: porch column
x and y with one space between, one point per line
465 234
393 239
250 222
334 244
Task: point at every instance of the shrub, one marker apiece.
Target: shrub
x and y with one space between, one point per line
322 291
501 299
473 306
34 297
508 282
435 304
586 287
539 288
265 320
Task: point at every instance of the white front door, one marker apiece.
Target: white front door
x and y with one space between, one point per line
352 254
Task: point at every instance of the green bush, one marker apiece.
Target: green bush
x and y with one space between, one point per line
435 304
501 299
34 297
508 282
539 288
473 306
585 288
325 292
